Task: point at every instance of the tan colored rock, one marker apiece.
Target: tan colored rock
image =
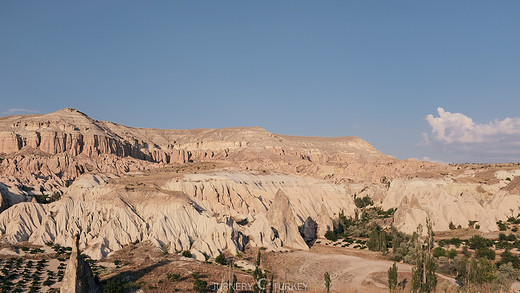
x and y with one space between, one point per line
281 217
78 277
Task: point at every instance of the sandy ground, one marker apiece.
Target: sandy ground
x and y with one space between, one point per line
351 270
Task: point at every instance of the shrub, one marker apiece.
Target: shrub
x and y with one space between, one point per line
173 277
187 254
362 202
451 226
439 251
508 257
477 241
200 285
506 275
485 252
221 259
195 275
68 182
452 253
113 286
330 235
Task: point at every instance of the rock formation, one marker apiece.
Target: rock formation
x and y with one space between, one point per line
216 190
281 217
309 231
78 277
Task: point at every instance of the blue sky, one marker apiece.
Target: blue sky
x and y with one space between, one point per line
373 69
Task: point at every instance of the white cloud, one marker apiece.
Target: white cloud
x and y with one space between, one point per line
19 110
456 132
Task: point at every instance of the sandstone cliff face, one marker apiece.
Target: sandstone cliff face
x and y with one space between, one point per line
72 134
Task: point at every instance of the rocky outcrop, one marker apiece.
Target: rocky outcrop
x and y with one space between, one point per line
204 213
78 277
448 200
309 231
263 186
281 217
71 134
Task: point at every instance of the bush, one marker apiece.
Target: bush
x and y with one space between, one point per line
221 259
451 226
200 285
173 277
439 251
506 275
330 235
195 275
113 286
362 202
508 257
452 253
477 241
187 254
485 252
501 226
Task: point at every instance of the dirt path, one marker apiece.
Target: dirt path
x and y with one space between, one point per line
349 273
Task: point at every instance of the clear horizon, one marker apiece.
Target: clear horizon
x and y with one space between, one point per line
417 80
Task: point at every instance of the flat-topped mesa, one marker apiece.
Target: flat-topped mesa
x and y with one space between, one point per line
72 132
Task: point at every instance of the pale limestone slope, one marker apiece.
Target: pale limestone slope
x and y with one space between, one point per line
176 217
448 200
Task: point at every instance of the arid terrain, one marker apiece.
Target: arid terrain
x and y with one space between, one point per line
158 210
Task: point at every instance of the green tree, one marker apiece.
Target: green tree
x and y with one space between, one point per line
392 277
362 202
485 252
259 276
508 257
452 226
331 235
439 251
232 287
462 270
506 275
423 273
258 258
377 240
327 281
481 271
